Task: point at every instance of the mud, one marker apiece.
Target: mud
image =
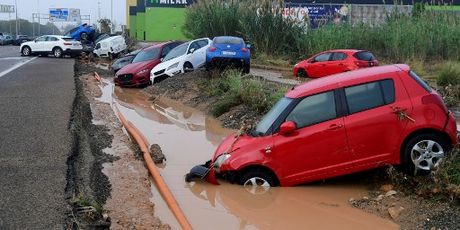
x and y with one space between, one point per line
128 203
188 137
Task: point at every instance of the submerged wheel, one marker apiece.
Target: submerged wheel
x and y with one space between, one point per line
57 52
424 152
257 181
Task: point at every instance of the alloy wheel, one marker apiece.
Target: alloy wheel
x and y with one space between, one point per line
256 185
427 154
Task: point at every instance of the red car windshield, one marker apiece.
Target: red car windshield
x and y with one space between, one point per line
267 121
147 54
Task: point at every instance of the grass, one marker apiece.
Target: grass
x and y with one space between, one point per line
233 89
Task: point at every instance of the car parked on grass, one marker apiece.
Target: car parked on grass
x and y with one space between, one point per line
110 47
339 125
138 72
184 58
228 51
124 61
6 39
21 39
83 32
334 61
56 45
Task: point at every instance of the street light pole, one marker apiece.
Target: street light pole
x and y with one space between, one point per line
16 10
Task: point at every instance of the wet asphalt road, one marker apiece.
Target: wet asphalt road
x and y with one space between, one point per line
35 107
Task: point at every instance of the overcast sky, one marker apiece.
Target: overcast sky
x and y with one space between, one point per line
88 7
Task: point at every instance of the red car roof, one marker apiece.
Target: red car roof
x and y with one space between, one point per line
347 78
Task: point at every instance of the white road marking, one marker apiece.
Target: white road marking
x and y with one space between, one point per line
16 66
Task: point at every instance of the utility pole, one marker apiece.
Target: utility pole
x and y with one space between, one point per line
16 10
98 10
111 16
39 16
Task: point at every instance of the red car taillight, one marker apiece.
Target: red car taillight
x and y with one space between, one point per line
363 64
212 48
244 49
67 44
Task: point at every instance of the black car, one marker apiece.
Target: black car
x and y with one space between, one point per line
21 39
6 39
124 61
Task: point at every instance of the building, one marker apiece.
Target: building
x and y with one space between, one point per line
162 20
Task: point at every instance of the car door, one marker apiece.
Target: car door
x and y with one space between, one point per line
319 145
39 44
373 125
337 64
317 67
199 55
191 57
50 43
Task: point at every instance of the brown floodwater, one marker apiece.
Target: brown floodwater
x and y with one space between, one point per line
188 137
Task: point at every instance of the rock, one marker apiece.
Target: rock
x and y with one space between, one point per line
365 198
386 188
395 212
351 200
157 154
391 193
379 198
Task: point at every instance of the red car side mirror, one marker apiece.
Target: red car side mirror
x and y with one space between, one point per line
287 127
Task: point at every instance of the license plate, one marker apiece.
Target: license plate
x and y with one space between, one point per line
228 53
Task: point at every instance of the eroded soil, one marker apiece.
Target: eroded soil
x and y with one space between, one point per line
128 204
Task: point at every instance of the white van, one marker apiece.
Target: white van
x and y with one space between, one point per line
110 47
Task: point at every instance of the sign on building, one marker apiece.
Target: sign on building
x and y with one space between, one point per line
59 14
7 9
74 15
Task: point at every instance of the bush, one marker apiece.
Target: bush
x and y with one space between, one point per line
430 35
233 90
449 74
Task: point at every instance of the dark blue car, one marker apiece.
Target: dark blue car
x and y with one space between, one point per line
228 51
84 32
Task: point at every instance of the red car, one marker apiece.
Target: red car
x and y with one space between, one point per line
334 61
338 125
138 72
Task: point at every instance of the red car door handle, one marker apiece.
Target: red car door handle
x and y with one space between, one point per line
335 127
340 64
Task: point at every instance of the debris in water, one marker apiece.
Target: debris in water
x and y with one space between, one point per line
157 155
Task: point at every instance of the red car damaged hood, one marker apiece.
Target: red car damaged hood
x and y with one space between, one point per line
243 144
134 68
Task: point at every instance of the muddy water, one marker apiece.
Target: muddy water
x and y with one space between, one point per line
187 138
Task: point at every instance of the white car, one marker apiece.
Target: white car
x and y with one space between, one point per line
110 47
56 45
186 57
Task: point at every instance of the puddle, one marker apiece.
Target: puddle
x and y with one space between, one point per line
187 138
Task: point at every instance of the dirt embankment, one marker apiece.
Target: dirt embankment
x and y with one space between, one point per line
108 185
188 89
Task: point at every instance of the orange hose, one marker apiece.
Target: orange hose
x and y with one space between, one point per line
98 78
161 185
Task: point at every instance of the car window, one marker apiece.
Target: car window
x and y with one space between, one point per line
370 95
176 52
338 56
203 43
228 40
323 57
42 39
364 56
421 82
314 109
51 39
267 121
147 54
194 46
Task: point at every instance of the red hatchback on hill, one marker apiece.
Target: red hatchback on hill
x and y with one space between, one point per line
334 61
338 125
138 72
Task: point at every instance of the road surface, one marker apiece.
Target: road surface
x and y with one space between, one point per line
36 96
